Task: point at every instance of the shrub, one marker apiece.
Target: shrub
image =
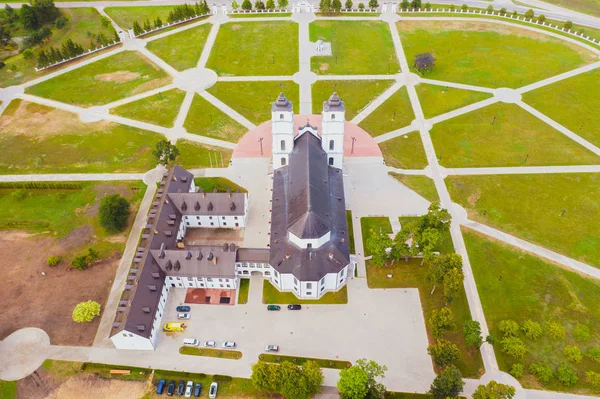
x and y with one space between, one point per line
53 260
452 7
361 6
490 9
515 14
502 11
509 328
444 352
555 330
85 312
566 375
464 7
532 329
27 54
62 21
472 330
114 211
568 25
573 354
80 262
543 372
517 370
581 332
529 14
541 19
594 354
441 320
592 378
514 347
428 6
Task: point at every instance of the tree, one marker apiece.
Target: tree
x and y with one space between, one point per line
581 332
282 4
490 9
137 29
448 384
270 5
464 7
235 5
440 321
361 6
377 245
592 378
147 25
336 6
529 14
502 11
440 266
259 5
566 375
288 379
53 260
426 240
246 5
517 370
46 10
5 35
594 354
264 376
453 280
165 152
416 4
532 329
29 18
360 381
555 330
444 352
80 262
541 19
373 4
514 347
568 25
494 390
158 22
325 6
472 330
509 328
348 4
543 372
114 211
436 218
85 312
573 354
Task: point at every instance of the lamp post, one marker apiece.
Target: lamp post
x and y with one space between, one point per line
260 140
353 140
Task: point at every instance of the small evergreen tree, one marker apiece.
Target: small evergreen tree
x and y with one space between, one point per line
270 5
147 25
246 5
348 4
137 29
529 14
235 5
336 6
373 4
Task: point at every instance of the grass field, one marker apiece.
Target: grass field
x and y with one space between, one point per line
110 79
504 135
572 103
181 50
516 285
422 185
553 210
208 184
208 352
377 223
253 99
357 94
255 48
412 274
126 16
160 109
8 389
207 120
489 54
358 48
56 141
404 152
272 295
437 100
244 289
395 112
350 223
324 363
196 155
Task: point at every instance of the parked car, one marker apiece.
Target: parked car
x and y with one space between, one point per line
174 327
161 386
294 307
191 342
212 393
184 316
183 308
210 344
273 307
188 389
272 348
197 390
229 345
181 387
171 388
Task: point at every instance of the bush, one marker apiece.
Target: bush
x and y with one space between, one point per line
361 6
444 352
85 312
572 353
581 332
503 11
517 370
594 354
509 328
53 260
464 7
532 329
568 25
61 22
114 211
543 372
441 320
514 347
490 9
566 375
80 262
555 330
27 54
529 14
541 19
592 378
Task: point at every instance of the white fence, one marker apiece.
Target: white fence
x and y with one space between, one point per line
275 11
90 51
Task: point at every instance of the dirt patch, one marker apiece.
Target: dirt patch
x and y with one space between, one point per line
92 387
236 27
77 238
474 197
152 84
324 66
38 385
119 77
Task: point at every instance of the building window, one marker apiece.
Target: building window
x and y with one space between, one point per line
280 116
330 161
309 245
212 224
331 144
210 217
221 285
332 117
209 279
224 224
295 281
237 225
276 273
220 280
323 281
197 217
235 218
282 144
283 162
308 286
322 288
187 223
246 271
309 293
267 273
190 279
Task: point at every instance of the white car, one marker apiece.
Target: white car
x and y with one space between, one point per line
212 393
272 348
188 389
184 316
229 345
210 344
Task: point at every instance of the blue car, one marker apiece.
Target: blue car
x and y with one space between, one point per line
183 309
161 386
197 390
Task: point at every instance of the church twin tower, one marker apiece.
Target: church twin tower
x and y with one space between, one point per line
332 130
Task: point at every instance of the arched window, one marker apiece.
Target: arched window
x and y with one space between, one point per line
280 116
331 143
332 116
331 161
282 145
283 161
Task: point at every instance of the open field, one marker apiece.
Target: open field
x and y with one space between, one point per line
60 222
358 48
437 100
57 141
207 120
404 152
572 103
181 50
253 99
422 185
396 112
552 210
488 54
160 109
255 48
272 295
196 155
110 79
357 94
126 16
516 285
504 135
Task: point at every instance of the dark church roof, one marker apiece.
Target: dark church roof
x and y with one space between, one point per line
334 104
281 104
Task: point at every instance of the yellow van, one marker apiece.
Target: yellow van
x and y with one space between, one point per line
174 327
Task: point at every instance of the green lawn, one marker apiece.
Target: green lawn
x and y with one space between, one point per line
350 223
358 48
514 138
489 54
40 139
272 295
8 390
244 288
208 184
516 285
377 223
208 352
404 152
255 48
572 103
553 210
103 370
181 50
126 16
444 246
396 112
253 99
110 79
324 363
196 155
160 109
422 185
437 100
356 94
207 120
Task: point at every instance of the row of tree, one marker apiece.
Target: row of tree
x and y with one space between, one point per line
335 6
288 379
69 49
260 5
184 11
